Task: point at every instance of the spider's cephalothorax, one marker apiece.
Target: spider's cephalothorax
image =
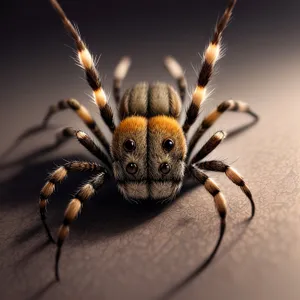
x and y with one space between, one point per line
149 155
149 147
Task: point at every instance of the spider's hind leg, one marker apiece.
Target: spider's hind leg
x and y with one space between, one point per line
177 73
211 56
119 75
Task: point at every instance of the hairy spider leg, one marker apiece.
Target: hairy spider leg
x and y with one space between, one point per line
85 193
211 55
176 71
57 177
209 146
86 61
219 166
211 118
120 73
232 174
83 113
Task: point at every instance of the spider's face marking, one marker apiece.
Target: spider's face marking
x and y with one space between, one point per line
129 149
166 155
149 157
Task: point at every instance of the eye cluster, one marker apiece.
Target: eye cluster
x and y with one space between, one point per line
168 145
129 146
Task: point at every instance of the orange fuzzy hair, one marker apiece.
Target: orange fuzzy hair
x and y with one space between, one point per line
131 124
164 125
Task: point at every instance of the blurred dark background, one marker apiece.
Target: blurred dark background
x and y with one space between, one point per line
119 252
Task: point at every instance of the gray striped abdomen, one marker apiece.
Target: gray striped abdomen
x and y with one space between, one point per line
150 100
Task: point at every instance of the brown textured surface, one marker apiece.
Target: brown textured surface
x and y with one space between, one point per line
116 251
123 253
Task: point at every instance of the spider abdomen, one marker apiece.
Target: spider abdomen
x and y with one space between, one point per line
149 100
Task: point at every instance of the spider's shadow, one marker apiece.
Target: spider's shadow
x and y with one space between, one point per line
106 214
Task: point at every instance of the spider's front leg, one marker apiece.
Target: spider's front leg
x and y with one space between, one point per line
57 177
220 202
209 183
219 166
211 186
87 62
85 193
232 174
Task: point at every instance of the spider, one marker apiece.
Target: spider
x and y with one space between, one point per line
149 155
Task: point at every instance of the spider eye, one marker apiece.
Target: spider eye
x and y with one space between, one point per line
132 168
165 168
168 145
129 145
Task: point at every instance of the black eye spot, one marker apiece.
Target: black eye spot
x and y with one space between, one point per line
132 168
165 168
129 145
168 145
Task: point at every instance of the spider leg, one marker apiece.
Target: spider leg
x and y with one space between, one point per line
85 140
208 121
213 189
57 177
232 174
83 113
219 199
89 144
86 61
119 75
177 73
220 204
73 210
209 146
211 55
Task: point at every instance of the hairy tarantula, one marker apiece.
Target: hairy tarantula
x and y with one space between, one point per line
149 155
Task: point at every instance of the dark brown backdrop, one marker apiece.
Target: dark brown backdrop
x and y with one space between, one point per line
116 251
